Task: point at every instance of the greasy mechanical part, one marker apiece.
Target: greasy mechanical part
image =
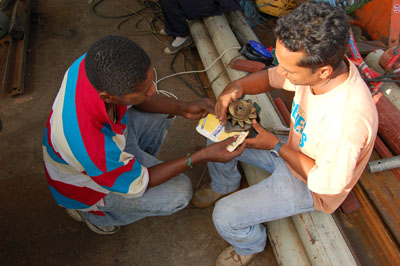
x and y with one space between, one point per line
240 116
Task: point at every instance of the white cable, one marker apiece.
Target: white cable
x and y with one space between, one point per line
169 94
166 93
198 71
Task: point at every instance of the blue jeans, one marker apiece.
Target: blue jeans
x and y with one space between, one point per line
238 217
146 133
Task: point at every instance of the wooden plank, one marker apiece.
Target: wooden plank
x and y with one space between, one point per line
383 189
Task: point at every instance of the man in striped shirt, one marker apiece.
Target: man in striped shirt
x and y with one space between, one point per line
99 152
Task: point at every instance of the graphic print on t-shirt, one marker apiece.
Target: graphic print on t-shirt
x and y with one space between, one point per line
299 122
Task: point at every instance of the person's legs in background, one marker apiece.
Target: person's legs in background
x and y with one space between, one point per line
176 12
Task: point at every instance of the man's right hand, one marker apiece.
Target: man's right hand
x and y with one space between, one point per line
231 93
217 152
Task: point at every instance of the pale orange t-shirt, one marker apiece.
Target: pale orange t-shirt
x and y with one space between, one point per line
336 129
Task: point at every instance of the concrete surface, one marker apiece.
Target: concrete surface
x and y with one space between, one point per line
33 229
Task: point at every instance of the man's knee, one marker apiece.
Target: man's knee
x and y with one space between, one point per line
183 193
224 214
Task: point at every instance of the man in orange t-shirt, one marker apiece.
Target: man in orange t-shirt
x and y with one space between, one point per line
332 132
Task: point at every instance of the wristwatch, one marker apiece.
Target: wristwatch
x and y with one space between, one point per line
276 149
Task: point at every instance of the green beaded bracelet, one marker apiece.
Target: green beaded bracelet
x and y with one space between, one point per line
189 162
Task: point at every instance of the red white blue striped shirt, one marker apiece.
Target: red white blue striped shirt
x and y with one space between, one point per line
83 151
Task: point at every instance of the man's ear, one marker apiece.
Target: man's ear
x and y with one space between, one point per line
106 97
325 71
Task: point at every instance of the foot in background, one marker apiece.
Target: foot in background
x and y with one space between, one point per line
206 197
228 257
163 32
178 44
108 230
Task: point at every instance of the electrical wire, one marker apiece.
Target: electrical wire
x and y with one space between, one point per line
154 7
169 94
149 5
199 71
183 80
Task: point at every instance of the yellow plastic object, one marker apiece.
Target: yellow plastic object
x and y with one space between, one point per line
276 8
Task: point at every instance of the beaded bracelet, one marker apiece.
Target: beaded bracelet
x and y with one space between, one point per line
189 162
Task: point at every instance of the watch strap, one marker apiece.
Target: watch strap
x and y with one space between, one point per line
278 147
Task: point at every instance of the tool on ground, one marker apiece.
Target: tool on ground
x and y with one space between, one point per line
278 130
240 115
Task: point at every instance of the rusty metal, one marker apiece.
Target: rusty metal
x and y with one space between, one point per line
394 29
367 233
15 66
383 189
240 115
283 110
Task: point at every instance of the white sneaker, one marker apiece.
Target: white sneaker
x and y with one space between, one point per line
174 49
162 32
77 216
108 230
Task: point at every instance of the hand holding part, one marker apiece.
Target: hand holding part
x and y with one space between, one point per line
217 152
264 140
197 109
231 92
240 116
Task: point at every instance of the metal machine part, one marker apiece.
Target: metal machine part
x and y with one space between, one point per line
240 115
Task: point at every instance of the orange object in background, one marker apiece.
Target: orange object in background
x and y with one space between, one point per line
247 65
381 20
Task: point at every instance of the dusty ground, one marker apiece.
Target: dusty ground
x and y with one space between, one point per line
33 229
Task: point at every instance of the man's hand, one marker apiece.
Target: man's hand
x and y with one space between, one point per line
231 92
197 109
217 152
264 140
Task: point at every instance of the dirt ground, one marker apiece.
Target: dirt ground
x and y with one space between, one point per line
33 229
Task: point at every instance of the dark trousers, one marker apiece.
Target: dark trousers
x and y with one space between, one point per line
177 11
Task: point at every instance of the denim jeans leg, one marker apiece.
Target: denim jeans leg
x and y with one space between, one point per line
225 177
146 134
164 199
238 217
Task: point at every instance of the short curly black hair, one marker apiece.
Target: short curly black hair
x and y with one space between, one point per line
116 64
319 30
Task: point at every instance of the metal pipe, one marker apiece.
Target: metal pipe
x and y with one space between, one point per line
384 164
384 152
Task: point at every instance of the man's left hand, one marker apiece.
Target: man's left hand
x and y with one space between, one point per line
197 109
264 140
